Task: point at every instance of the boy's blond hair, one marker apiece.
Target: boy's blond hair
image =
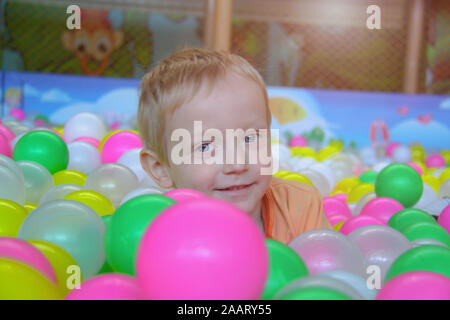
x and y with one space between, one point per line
176 80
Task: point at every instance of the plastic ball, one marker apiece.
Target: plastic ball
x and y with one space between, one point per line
416 285
424 258
296 177
362 202
94 200
324 249
326 153
24 252
399 182
218 253
12 216
22 282
444 176
83 157
368 155
297 141
432 181
428 196
12 186
118 144
347 184
17 113
426 242
382 208
84 125
303 152
7 133
444 218
60 260
58 192
341 169
295 289
326 171
285 266
356 282
141 191
416 167
11 165
333 206
181 195
391 147
127 226
380 166
92 141
444 190
368 177
73 226
380 245
43 147
113 181
401 154
69 177
342 197
409 216
107 287
360 190
435 161
319 181
5 148
37 180
29 206
336 219
357 222
418 154
428 230
131 159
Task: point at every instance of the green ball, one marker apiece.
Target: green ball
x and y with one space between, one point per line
127 226
285 266
43 147
424 258
426 230
368 177
314 293
409 216
400 182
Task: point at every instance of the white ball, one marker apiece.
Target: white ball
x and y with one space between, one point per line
428 196
368 155
326 172
12 187
84 124
444 190
401 154
83 157
37 180
131 159
381 165
59 192
139 192
318 180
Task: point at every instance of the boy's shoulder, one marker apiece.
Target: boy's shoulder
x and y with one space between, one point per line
290 188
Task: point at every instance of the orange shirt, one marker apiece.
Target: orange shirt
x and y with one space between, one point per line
290 208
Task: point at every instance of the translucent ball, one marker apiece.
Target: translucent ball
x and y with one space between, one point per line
12 187
131 159
444 190
139 192
59 192
84 124
401 154
112 180
318 180
37 180
83 157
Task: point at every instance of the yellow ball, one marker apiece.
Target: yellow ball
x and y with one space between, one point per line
60 130
432 181
12 216
22 282
446 155
418 153
347 184
96 201
297 177
326 152
445 175
303 152
338 226
69 176
102 142
357 192
60 260
281 173
30 206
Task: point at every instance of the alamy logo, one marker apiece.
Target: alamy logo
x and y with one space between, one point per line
374 20
74 20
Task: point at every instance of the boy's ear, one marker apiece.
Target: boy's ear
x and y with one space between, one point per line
155 169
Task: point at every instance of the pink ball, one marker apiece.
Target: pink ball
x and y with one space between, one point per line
435 161
26 253
415 166
181 195
332 206
118 144
444 218
391 147
108 286
341 197
90 140
202 249
7 132
297 141
416 285
358 222
382 208
5 147
335 219
19 114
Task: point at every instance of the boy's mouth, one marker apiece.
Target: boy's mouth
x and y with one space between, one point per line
235 187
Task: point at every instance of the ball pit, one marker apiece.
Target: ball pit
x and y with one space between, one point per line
61 205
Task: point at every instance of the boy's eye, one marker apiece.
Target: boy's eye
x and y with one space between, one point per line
251 138
205 147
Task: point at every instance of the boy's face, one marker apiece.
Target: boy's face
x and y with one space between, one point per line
233 103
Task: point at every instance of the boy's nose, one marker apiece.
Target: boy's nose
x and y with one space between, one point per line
237 161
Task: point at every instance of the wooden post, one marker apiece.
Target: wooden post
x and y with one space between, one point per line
414 46
218 24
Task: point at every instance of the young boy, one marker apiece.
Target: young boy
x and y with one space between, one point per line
221 92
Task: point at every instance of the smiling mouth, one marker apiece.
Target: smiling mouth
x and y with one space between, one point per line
237 187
